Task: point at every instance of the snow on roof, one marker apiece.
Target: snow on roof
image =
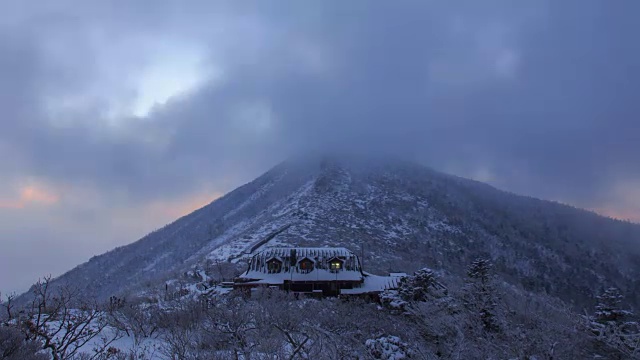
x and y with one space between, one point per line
260 272
372 284
398 274
310 252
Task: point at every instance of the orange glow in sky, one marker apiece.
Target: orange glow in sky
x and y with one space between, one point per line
29 195
620 214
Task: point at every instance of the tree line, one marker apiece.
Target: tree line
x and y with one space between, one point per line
427 317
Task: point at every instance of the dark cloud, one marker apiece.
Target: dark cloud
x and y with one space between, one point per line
537 97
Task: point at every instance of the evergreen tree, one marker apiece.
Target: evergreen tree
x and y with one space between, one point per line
418 287
388 348
609 307
481 297
414 288
480 270
614 333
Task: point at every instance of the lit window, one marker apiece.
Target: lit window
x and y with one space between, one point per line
336 265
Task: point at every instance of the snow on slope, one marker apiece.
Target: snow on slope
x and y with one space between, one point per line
402 216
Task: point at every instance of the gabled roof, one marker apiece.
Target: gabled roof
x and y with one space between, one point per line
310 252
291 258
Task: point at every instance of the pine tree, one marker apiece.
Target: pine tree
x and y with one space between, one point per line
388 348
481 297
612 328
609 307
419 286
480 270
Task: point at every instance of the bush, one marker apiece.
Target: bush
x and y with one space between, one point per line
14 346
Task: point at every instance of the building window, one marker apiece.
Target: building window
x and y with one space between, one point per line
274 266
306 265
335 265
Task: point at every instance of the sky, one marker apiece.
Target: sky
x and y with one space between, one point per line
117 117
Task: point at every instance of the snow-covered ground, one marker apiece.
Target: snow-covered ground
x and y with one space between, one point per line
397 216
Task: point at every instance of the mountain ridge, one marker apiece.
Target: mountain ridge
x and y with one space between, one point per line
401 215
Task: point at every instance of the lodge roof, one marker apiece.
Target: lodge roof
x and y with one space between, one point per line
259 273
310 252
291 258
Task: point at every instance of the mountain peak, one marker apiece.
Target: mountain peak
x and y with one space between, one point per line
402 215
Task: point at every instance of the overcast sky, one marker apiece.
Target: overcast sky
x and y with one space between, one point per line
117 117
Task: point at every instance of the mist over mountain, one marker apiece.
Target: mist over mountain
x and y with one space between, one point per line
399 215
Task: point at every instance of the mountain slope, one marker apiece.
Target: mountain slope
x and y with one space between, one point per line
402 216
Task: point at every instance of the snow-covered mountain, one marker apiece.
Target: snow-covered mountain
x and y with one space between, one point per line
401 216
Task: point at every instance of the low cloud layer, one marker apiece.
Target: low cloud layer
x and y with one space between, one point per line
117 107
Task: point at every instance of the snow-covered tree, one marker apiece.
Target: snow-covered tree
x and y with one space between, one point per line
14 345
480 270
609 307
391 299
419 286
388 348
139 320
613 328
414 288
57 321
481 296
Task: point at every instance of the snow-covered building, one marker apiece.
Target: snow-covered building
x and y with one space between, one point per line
320 271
